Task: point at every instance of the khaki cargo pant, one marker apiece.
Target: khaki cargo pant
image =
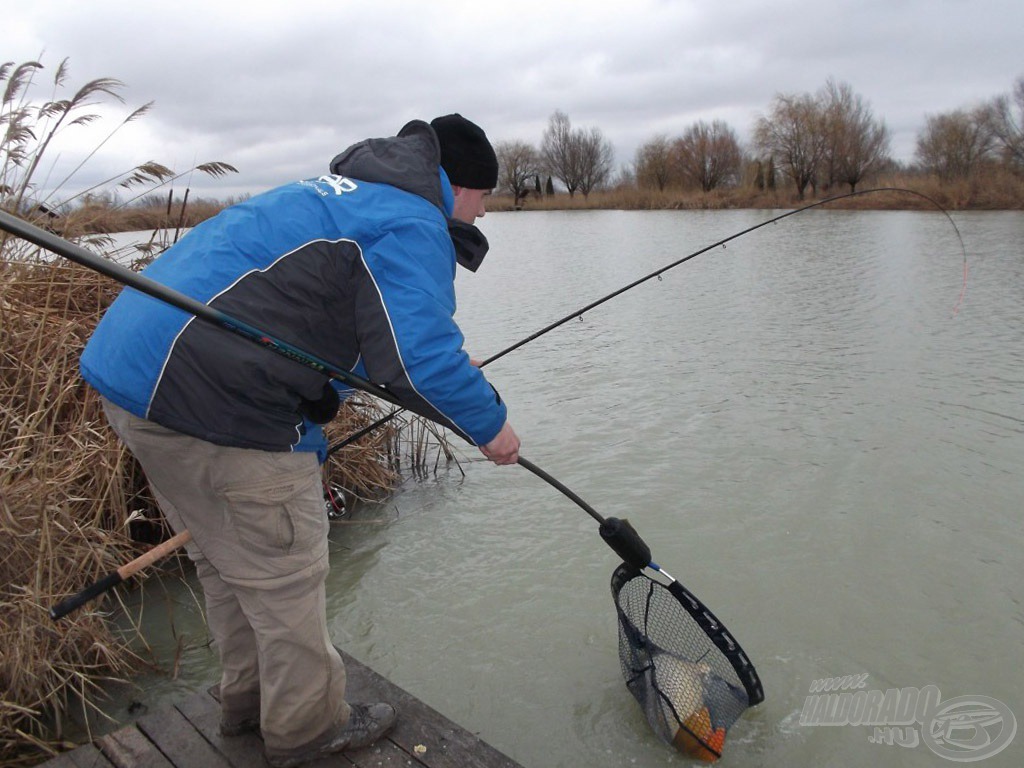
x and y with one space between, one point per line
259 543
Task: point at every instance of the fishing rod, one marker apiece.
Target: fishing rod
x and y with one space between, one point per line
659 272
86 258
629 551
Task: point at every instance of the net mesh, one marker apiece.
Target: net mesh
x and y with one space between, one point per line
688 674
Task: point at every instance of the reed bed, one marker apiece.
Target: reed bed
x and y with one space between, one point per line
74 505
989 189
65 485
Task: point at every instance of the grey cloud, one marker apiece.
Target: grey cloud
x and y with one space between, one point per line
276 90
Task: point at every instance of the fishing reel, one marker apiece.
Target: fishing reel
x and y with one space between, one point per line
334 501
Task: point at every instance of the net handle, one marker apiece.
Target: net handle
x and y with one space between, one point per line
617 533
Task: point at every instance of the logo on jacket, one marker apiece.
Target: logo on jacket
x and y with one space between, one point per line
331 184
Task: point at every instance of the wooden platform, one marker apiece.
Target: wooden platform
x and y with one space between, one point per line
187 736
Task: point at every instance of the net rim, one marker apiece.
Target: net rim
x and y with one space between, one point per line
710 624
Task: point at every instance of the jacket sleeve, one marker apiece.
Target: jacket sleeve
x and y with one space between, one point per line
408 338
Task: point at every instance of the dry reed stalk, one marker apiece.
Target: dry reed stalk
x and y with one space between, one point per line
67 488
63 485
370 468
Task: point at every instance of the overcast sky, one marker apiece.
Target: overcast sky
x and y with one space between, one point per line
276 89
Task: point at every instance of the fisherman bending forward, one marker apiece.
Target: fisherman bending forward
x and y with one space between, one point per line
356 267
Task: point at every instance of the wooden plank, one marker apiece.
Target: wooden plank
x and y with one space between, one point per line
63 760
88 756
384 754
203 712
84 756
179 741
445 743
189 734
129 748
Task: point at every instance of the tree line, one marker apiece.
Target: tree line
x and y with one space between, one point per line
817 141
581 159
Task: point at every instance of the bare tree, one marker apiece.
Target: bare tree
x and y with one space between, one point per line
653 163
792 132
625 178
596 156
518 164
559 151
708 154
953 144
855 143
1006 121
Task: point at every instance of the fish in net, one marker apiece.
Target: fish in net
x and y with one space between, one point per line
691 678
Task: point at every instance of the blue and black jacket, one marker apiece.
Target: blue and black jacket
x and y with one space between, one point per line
356 267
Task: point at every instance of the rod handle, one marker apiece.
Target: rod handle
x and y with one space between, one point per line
159 552
73 603
111 580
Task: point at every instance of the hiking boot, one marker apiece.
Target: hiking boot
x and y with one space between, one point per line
239 726
366 724
239 714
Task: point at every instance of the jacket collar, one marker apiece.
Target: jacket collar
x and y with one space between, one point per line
410 161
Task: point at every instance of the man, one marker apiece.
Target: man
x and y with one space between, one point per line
356 267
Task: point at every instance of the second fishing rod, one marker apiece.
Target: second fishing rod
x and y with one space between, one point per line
658 273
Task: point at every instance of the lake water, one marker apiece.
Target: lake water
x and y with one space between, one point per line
802 426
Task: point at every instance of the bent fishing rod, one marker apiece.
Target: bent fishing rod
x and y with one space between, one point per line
659 272
619 535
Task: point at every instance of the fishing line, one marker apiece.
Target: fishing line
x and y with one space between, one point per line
659 272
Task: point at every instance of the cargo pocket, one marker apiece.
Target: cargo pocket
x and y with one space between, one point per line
279 515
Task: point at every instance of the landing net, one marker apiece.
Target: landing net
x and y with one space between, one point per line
689 675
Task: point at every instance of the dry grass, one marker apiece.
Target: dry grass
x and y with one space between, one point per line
68 488
370 468
177 213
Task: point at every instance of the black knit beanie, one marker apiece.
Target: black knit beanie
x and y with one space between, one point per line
466 155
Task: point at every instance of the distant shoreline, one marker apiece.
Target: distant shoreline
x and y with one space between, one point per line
995 192
925 194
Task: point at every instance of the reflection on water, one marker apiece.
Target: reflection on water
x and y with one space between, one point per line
797 424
